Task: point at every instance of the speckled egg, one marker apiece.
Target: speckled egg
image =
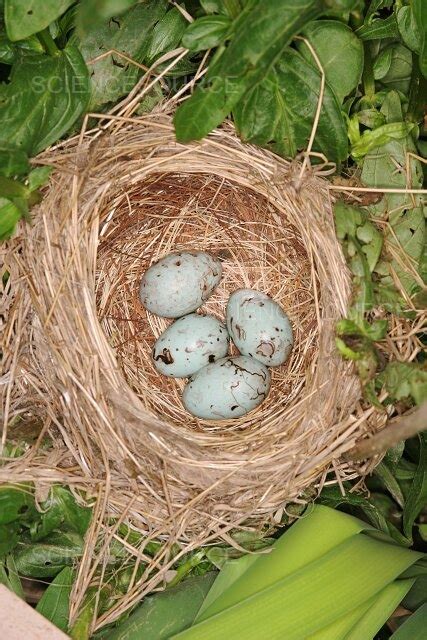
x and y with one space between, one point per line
226 389
179 283
259 327
189 344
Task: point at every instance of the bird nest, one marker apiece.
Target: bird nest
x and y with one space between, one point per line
79 342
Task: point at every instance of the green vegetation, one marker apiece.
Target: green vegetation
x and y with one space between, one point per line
63 60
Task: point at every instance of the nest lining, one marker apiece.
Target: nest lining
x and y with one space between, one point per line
257 250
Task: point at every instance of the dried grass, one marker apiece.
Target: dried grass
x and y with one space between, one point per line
77 343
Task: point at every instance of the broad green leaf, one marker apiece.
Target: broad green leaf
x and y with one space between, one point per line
354 570
25 17
206 32
294 550
91 12
422 530
382 63
399 73
61 510
45 97
9 218
166 35
9 51
417 497
379 29
370 118
408 28
166 613
112 76
13 161
230 572
380 610
279 112
15 500
39 177
340 53
414 628
420 15
55 602
8 537
260 34
46 559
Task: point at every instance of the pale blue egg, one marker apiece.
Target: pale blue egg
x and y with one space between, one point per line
228 388
179 283
189 344
259 327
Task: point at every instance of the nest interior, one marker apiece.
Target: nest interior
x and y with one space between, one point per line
117 203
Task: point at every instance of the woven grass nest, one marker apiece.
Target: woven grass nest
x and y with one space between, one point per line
136 196
79 351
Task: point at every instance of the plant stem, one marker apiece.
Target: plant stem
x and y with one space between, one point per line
48 42
368 72
417 93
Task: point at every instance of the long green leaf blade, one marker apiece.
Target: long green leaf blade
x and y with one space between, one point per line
55 602
355 570
311 537
414 628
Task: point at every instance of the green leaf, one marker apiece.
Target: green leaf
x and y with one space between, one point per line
112 76
379 29
340 53
9 577
91 12
25 17
38 177
55 602
387 479
408 28
414 628
9 51
420 15
13 161
404 380
8 537
282 608
260 34
45 97
162 615
206 32
399 74
417 595
15 501
382 63
46 559
166 35
370 140
15 583
9 217
417 497
279 112
61 510
332 497
380 610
